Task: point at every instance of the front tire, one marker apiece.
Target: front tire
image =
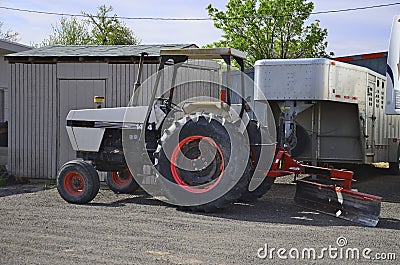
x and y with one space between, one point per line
78 182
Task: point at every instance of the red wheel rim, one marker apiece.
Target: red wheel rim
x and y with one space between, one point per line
74 183
174 169
119 179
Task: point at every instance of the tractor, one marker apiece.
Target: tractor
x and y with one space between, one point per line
198 151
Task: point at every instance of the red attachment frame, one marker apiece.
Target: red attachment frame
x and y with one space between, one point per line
284 165
334 197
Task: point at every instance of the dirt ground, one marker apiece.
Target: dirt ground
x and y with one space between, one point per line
38 227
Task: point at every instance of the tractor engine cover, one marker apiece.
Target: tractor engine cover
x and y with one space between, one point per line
86 127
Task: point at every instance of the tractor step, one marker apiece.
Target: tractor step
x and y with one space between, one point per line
337 201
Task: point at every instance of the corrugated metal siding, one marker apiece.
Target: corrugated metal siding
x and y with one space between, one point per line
6 107
2 106
196 79
4 75
33 120
122 78
120 84
35 106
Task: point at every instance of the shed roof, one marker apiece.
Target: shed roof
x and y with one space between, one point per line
205 53
7 47
93 52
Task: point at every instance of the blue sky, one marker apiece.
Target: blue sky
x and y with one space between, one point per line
348 32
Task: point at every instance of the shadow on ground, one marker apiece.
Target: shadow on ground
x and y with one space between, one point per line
20 189
277 206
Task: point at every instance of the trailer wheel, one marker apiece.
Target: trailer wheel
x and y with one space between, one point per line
182 141
121 182
78 182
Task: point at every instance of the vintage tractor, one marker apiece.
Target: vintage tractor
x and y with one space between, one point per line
196 150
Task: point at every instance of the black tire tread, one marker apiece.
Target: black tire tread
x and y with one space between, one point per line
394 168
228 198
92 184
127 189
263 188
266 184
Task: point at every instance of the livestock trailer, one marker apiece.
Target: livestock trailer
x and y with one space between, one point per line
336 110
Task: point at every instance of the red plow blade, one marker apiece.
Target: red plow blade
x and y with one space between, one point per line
334 200
328 190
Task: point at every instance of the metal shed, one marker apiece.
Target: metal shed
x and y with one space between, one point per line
48 82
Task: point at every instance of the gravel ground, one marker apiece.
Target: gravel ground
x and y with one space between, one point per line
38 227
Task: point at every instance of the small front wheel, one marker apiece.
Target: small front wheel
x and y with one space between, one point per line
122 182
78 182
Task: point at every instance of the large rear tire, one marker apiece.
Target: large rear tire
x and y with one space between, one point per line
122 182
201 180
78 182
394 167
263 188
255 141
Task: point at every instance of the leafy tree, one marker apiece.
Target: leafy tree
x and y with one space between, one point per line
109 30
8 34
69 32
270 29
99 29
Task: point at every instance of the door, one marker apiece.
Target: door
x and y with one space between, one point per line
75 94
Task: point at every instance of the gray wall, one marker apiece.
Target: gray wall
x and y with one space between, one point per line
4 75
41 95
33 120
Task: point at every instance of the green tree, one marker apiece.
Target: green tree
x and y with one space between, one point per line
270 29
69 32
8 34
109 30
99 29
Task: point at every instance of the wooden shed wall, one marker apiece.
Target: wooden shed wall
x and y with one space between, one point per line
38 143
